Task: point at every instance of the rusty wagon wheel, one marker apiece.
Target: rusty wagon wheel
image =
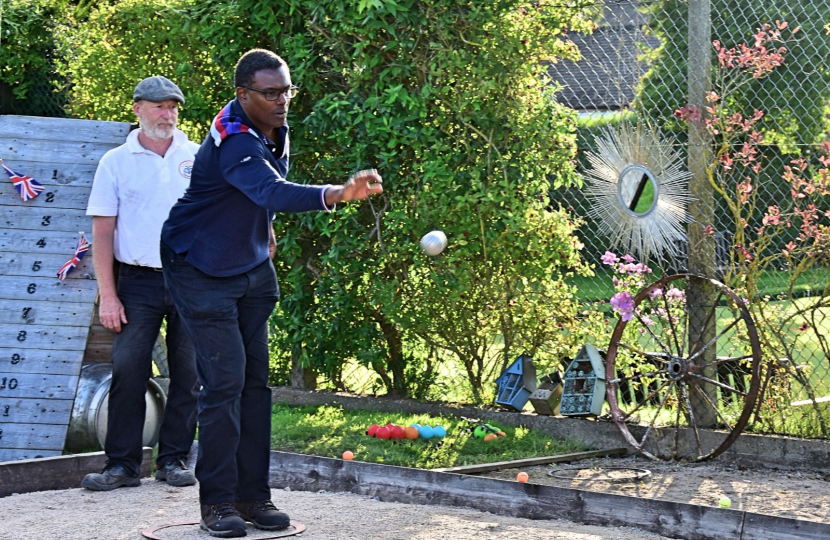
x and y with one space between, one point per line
682 375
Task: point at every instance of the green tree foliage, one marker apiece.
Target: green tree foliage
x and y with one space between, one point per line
448 100
27 48
104 56
797 94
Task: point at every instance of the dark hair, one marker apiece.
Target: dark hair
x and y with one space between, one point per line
253 61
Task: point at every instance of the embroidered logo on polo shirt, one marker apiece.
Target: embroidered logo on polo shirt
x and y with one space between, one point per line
185 168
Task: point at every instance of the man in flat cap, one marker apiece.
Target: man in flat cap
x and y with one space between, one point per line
135 186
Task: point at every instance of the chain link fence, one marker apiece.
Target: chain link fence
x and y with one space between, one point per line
43 98
638 67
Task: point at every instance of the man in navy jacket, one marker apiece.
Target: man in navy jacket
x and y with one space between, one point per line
216 248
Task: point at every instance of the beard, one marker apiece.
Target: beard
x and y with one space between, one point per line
157 132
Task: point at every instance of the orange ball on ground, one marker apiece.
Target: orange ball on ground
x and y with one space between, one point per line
411 432
522 477
348 455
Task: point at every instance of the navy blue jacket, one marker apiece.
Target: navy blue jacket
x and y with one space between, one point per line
223 220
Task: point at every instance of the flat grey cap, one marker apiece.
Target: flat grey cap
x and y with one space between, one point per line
157 89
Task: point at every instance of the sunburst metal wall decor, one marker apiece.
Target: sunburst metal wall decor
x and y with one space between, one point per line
638 191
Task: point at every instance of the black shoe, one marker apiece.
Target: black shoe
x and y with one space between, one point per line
222 520
113 476
263 514
176 473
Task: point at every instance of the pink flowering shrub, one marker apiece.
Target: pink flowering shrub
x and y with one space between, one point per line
802 219
629 278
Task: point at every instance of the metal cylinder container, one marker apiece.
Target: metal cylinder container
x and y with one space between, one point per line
88 424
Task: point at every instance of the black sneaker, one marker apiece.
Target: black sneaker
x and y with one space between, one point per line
176 473
263 514
112 477
222 520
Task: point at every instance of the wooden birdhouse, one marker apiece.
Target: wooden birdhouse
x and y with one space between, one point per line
545 399
516 383
583 391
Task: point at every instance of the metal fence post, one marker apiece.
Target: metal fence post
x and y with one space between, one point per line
700 296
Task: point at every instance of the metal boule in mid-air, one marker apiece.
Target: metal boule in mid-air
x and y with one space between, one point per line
434 242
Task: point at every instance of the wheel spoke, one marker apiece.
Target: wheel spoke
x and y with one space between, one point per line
644 354
718 383
671 324
693 348
714 407
692 421
638 376
651 332
725 360
644 401
715 339
656 414
677 420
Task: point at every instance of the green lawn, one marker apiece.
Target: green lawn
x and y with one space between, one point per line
771 283
329 431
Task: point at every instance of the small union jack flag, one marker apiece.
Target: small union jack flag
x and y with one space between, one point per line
80 251
28 187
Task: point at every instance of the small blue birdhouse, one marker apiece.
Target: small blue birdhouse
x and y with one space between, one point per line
583 391
516 383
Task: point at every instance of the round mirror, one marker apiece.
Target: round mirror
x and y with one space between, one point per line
637 190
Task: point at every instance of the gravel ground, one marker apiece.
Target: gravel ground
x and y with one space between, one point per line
78 514
776 492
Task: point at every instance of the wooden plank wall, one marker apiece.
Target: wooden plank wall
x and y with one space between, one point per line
45 322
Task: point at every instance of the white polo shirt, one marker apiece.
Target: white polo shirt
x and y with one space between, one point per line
140 187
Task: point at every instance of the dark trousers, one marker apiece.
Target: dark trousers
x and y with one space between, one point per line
227 320
146 303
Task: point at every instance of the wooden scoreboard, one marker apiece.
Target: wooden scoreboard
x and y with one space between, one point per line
44 322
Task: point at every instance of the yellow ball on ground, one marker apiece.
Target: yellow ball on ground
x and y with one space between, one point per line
725 502
348 455
522 477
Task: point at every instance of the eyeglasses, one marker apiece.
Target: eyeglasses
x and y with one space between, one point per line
273 94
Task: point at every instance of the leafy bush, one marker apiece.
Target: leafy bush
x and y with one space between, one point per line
447 100
27 28
104 57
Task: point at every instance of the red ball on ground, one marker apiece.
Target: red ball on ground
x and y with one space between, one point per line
396 432
382 433
373 429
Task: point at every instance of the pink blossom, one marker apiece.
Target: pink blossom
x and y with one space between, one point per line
623 304
609 258
675 294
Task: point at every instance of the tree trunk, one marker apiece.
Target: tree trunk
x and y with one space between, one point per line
395 363
302 377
